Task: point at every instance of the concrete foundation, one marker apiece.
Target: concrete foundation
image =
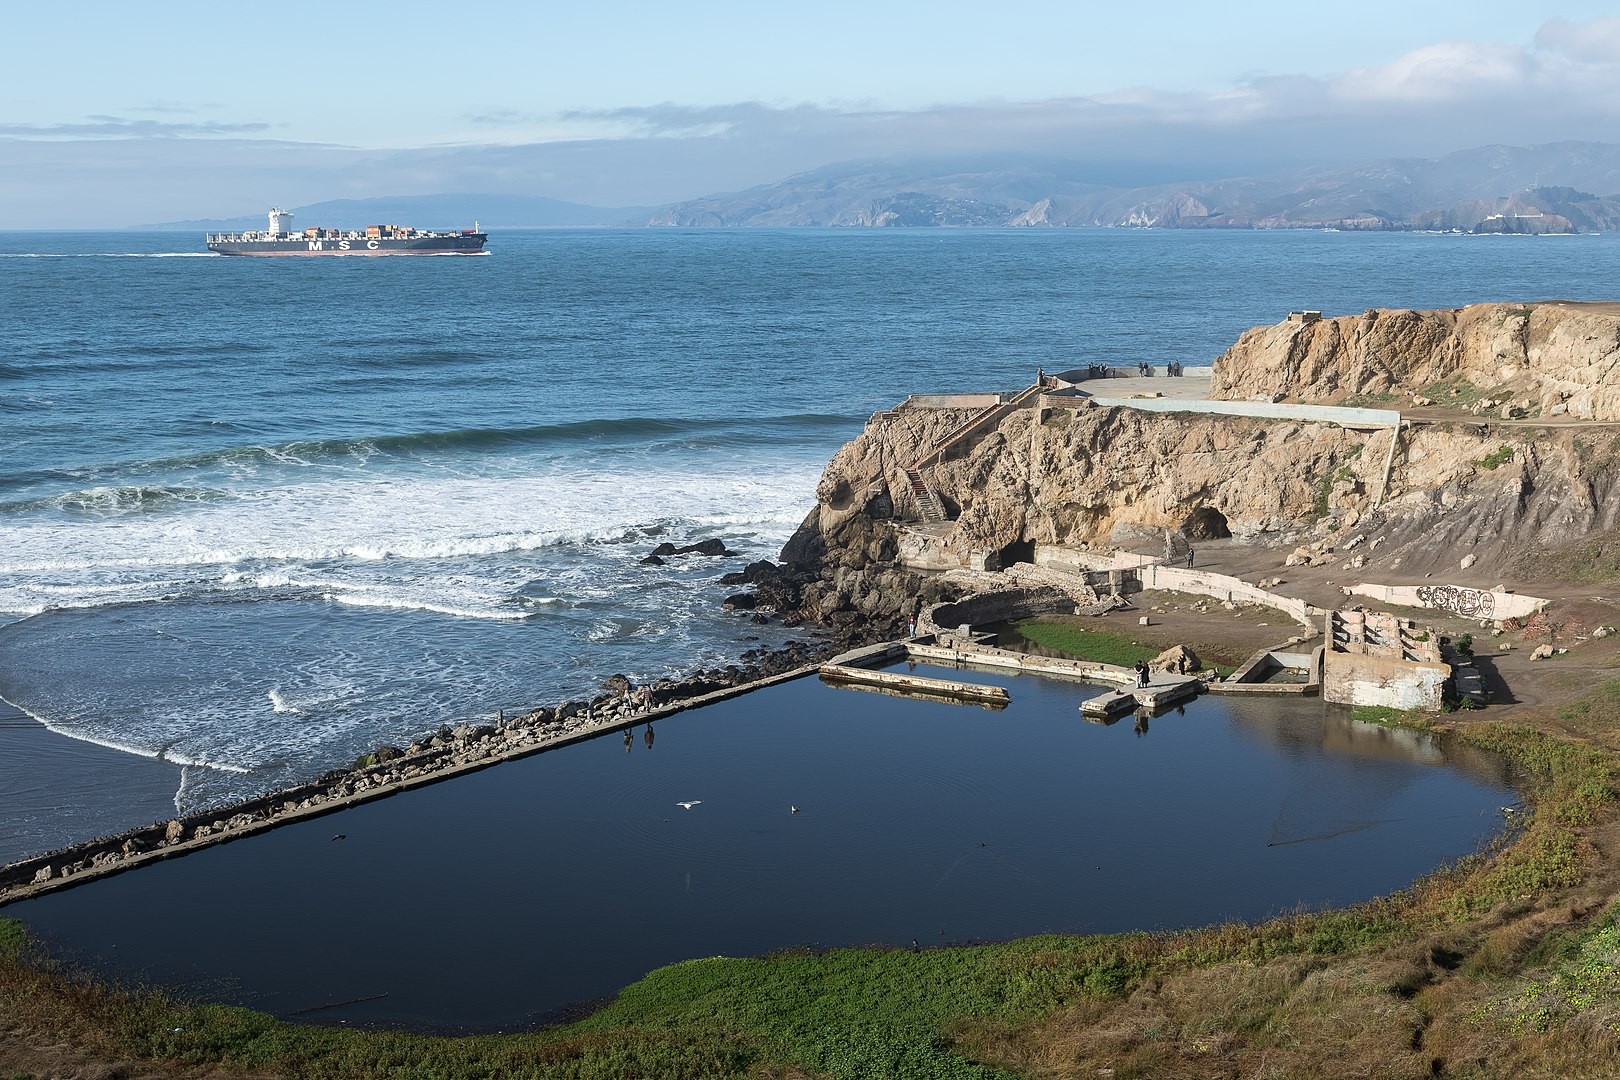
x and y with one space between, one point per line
1375 658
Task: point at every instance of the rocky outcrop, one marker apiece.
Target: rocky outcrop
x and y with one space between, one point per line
1502 360
1104 477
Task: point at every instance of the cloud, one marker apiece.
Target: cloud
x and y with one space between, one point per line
1596 41
1447 72
163 108
1445 96
117 127
506 118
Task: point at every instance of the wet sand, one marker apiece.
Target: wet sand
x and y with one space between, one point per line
54 790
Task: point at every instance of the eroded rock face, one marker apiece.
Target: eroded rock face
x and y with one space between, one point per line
1095 477
1503 360
1102 477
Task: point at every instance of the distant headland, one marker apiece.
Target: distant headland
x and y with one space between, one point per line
1555 188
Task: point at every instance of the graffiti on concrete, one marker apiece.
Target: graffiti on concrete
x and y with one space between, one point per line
1469 603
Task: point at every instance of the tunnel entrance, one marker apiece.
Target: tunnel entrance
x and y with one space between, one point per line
1019 551
1206 523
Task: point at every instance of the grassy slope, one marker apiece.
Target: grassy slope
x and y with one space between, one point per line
1504 965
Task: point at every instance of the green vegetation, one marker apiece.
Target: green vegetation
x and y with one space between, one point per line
1493 967
1384 716
1368 401
1065 636
1590 978
1458 391
1496 458
1082 644
1324 488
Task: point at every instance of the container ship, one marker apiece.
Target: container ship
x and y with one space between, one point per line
280 239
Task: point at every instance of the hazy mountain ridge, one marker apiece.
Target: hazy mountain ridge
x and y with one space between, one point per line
1551 188
1557 187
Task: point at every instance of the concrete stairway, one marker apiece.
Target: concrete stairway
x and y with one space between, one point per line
984 418
929 507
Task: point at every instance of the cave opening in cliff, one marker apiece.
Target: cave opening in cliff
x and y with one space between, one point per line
1206 523
1016 552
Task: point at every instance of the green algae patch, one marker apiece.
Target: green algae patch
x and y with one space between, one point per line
1098 646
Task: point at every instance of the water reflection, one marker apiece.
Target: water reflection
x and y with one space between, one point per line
1338 732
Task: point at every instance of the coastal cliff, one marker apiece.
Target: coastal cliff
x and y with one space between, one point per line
1507 360
1411 500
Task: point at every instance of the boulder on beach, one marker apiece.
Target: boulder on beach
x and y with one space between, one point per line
1176 660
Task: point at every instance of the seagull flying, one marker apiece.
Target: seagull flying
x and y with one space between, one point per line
688 804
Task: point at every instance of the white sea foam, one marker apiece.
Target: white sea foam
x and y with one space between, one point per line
409 604
279 702
303 534
202 762
530 565
125 746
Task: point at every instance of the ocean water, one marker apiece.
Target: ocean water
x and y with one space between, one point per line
258 516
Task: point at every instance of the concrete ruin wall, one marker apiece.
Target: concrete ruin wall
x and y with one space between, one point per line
993 607
952 401
1222 587
1457 599
1363 679
1152 575
1327 414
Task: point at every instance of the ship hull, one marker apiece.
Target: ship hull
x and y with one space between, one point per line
464 244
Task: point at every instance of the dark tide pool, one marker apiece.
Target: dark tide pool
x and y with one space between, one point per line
490 900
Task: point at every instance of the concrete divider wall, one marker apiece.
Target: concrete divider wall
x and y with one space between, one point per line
953 401
1329 414
1458 599
1153 575
1222 587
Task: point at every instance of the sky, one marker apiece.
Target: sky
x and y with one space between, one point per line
119 113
